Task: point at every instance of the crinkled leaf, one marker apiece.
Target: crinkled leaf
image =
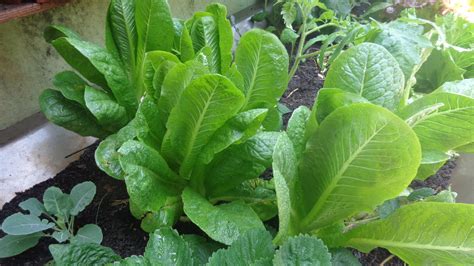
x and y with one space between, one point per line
121 20
106 154
201 248
335 168
150 182
253 157
236 130
302 250
223 223
69 114
436 234
24 224
406 42
263 62
11 245
226 36
167 247
252 248
82 254
206 104
182 41
33 205
133 261
107 111
370 71
82 195
154 27
175 82
204 33
343 257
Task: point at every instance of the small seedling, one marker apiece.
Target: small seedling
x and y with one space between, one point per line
53 218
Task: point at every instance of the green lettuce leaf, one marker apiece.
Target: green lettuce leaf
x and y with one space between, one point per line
223 223
373 153
370 71
436 234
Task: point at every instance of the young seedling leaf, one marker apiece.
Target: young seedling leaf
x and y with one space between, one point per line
89 233
23 224
82 195
11 245
61 236
33 205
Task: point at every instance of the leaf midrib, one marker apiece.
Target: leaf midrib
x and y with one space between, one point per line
198 124
321 201
440 113
130 39
408 245
249 93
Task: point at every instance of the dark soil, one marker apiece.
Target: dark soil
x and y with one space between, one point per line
110 210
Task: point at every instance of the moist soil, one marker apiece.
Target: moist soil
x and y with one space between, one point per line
121 230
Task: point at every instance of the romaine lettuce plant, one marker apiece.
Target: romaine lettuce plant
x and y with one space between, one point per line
361 146
103 94
198 138
54 218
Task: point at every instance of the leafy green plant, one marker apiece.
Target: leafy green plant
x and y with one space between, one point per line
103 94
54 218
359 149
205 117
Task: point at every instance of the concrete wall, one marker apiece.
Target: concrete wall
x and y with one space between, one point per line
28 63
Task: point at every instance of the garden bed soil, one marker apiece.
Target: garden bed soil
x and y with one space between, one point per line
110 211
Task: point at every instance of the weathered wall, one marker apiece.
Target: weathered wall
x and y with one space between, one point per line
27 62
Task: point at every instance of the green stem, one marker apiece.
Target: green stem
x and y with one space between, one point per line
299 54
